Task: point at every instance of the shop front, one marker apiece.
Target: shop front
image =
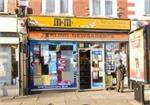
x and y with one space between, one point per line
9 56
74 55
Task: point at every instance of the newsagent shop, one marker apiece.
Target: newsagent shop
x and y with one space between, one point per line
75 53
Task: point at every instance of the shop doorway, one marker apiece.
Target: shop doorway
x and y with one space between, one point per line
85 69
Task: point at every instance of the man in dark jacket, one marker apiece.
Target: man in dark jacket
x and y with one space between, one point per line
120 72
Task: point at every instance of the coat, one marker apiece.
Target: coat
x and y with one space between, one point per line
120 71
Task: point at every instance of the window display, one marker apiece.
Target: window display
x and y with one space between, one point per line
52 65
9 65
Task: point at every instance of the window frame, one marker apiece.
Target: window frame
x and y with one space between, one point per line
5 6
57 8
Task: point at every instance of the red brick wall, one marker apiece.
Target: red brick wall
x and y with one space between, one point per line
80 7
36 6
11 6
122 9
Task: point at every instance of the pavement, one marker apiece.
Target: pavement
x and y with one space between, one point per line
99 97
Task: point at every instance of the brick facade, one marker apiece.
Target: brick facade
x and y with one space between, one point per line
80 7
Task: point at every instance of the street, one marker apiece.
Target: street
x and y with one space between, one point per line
99 97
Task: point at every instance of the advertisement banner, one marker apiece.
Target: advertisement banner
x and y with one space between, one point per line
136 61
78 22
8 24
78 36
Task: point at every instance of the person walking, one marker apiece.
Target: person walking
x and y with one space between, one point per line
120 72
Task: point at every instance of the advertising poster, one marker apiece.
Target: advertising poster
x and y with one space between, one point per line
45 53
97 68
37 80
109 80
36 49
136 61
61 63
46 80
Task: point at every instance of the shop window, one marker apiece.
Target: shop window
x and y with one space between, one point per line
53 65
9 65
147 6
3 5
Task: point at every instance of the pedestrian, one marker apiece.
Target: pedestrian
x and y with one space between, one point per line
120 73
117 57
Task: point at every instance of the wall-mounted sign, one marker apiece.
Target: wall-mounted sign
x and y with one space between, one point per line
23 3
76 22
78 36
8 24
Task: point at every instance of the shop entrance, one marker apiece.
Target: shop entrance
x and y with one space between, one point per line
91 65
85 69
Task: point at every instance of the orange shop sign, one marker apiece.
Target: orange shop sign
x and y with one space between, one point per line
77 36
78 22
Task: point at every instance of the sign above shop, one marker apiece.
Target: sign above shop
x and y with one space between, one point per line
8 24
78 23
78 36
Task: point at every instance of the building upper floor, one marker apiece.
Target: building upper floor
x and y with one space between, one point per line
132 9
92 8
139 9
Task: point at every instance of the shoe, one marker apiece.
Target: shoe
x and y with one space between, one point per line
117 90
121 91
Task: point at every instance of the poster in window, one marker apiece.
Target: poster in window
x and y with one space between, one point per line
136 44
61 64
45 53
37 80
36 49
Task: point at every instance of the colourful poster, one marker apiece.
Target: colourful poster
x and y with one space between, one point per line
46 80
136 61
37 80
109 80
61 63
52 67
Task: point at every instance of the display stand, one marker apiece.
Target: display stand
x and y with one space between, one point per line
139 92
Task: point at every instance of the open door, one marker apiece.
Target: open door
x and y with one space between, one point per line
85 69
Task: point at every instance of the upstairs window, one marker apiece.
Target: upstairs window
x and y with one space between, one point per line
64 8
50 6
147 6
1 5
103 8
57 7
108 8
96 7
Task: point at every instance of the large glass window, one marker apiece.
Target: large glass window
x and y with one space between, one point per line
1 5
147 6
53 65
9 65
